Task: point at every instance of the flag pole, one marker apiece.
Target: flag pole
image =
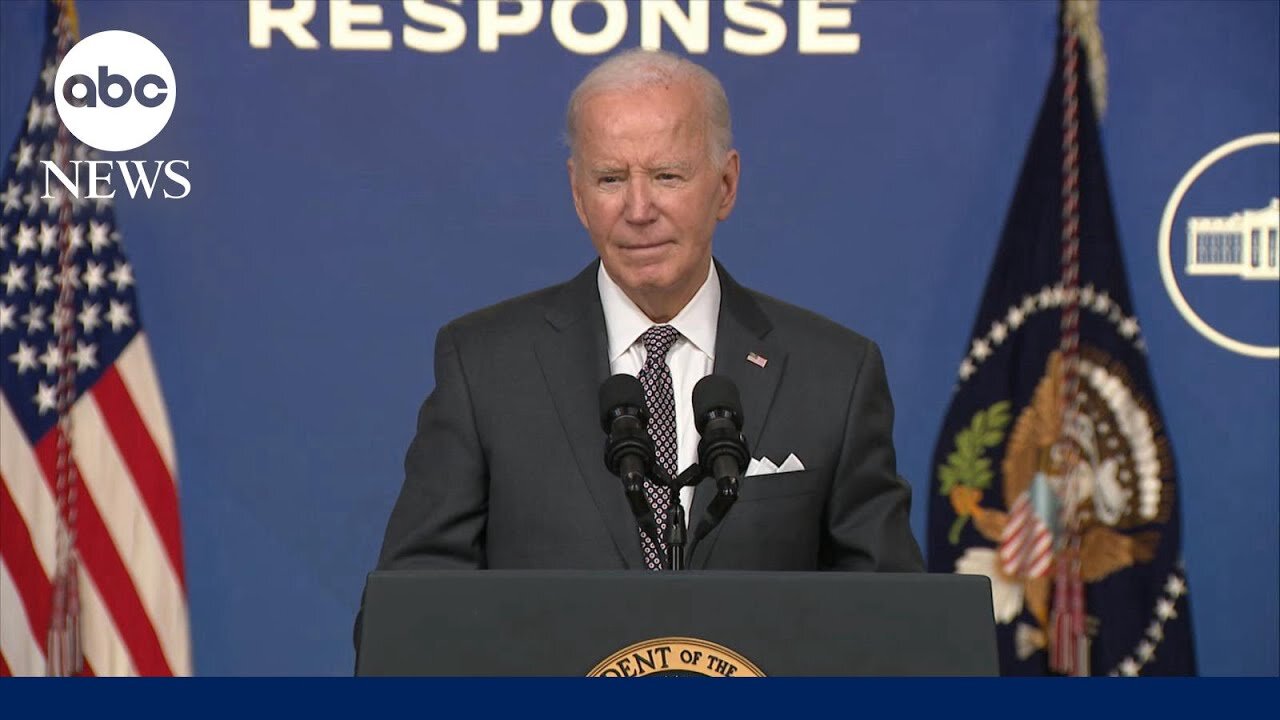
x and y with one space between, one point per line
64 650
1069 638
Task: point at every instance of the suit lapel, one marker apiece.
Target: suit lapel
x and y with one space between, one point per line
742 332
571 351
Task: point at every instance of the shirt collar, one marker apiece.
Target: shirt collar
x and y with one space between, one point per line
625 322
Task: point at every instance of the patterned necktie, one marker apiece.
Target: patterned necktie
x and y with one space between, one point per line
660 399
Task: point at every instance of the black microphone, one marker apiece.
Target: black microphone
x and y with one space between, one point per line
628 450
722 451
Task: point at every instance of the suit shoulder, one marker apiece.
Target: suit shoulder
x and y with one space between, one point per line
809 329
513 315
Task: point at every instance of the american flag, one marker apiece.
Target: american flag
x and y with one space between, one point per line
91 570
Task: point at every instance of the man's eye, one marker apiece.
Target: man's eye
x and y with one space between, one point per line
667 177
609 180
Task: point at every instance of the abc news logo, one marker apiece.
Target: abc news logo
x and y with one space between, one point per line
80 90
115 91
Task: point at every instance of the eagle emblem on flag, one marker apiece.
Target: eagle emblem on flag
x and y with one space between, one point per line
1108 480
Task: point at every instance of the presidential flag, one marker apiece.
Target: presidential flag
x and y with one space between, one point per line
1053 473
91 570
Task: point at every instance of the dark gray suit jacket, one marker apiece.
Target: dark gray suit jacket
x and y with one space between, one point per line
507 468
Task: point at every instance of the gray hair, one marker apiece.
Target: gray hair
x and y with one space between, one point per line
639 68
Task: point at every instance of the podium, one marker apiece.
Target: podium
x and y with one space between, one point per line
636 624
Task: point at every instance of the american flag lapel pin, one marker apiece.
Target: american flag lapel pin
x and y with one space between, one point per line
757 359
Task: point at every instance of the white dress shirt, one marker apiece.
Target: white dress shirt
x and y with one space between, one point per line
690 358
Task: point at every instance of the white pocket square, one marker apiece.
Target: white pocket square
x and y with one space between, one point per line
765 466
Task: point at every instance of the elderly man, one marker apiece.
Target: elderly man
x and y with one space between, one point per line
506 470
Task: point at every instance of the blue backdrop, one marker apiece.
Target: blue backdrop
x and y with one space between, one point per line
347 203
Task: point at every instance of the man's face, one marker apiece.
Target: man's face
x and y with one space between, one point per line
647 192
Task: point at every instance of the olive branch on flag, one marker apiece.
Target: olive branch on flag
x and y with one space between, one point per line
968 471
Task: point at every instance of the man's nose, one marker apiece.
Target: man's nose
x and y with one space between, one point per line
640 208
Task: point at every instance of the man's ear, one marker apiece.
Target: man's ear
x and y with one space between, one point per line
573 190
729 184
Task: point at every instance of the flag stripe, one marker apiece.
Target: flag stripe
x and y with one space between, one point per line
140 378
31 582
28 557
1026 545
1029 556
104 649
27 489
131 528
1038 562
4 667
104 565
145 464
26 651
1017 518
17 643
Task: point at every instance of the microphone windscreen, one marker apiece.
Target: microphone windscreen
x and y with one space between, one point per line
714 392
618 391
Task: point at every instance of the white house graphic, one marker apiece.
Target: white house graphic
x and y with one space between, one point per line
1243 244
